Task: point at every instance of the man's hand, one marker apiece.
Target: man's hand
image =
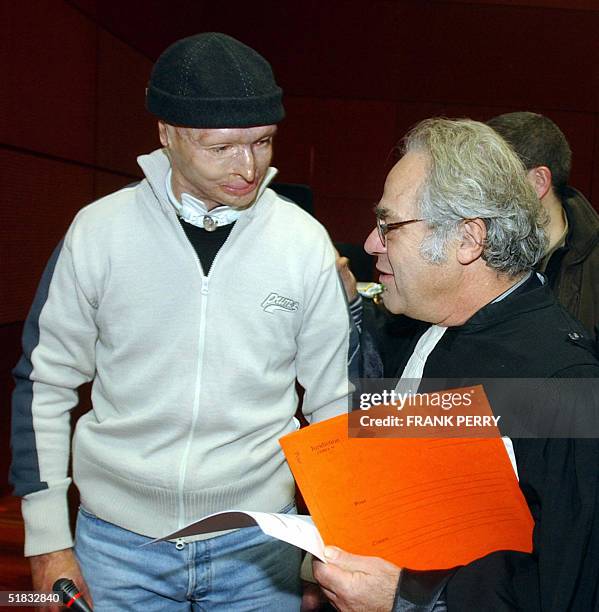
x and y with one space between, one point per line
354 583
347 277
47 569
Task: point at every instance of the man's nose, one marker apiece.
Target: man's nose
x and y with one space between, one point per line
245 164
373 244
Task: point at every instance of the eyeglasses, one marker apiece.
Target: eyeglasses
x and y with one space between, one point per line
384 228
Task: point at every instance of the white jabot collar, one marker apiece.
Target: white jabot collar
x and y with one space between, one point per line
193 210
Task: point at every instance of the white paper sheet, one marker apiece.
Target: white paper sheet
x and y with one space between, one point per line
295 529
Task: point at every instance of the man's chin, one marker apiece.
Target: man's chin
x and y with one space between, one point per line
391 302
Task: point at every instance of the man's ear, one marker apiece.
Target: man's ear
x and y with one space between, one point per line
472 241
540 179
163 133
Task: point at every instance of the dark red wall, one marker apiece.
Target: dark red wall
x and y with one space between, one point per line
356 76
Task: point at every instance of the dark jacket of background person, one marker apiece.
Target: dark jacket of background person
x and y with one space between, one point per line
573 270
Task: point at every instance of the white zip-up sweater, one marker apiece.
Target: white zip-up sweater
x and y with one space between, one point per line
193 375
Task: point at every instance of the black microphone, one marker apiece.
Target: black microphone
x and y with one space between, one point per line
72 598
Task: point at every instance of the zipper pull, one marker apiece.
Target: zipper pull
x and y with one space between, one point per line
204 289
180 545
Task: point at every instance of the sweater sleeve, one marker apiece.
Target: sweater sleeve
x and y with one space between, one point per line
323 344
58 356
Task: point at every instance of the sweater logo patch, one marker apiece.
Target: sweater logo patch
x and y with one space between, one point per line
274 301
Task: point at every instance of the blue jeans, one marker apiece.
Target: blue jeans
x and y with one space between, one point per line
240 571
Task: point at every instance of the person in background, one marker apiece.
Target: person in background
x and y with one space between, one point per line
459 233
571 262
193 301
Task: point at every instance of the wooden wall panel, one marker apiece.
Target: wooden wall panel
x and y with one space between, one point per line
40 198
340 147
353 140
88 7
294 142
411 113
585 5
594 191
326 49
48 54
10 343
124 128
347 219
493 55
427 51
107 182
329 142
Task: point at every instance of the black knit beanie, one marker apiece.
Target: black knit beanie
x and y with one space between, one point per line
213 81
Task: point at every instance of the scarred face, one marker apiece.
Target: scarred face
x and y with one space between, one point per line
218 166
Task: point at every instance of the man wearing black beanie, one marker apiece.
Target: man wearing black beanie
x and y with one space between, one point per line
194 301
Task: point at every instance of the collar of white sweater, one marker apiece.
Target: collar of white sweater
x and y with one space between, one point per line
194 211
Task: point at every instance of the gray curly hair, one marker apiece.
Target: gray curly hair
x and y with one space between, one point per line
473 173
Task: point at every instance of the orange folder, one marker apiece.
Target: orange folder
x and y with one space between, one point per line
421 503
